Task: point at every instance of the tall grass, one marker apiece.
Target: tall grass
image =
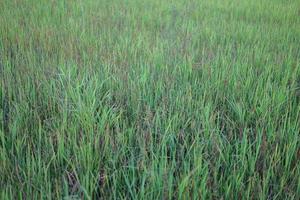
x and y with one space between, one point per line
150 99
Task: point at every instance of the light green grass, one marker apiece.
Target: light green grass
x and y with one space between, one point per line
150 99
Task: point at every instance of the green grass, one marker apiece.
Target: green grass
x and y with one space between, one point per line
150 99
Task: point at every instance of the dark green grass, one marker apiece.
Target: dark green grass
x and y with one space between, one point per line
150 99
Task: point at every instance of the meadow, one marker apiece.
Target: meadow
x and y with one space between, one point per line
150 99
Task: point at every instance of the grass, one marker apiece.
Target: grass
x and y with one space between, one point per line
150 99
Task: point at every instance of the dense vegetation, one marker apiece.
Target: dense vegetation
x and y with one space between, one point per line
150 99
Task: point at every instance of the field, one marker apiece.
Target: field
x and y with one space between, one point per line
150 99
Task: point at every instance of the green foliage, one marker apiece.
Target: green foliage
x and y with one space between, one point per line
150 99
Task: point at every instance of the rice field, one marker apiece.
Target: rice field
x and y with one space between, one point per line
150 99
